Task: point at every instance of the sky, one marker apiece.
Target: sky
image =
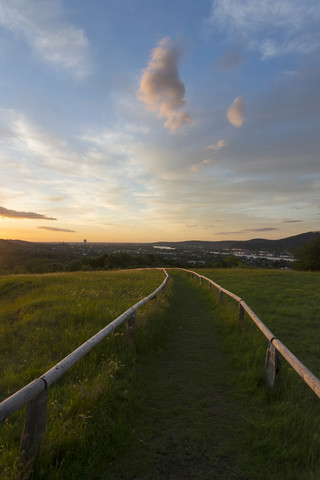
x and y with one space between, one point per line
159 120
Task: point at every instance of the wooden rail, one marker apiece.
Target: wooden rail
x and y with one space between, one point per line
35 394
275 345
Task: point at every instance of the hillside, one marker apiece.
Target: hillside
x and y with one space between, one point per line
17 256
185 397
289 244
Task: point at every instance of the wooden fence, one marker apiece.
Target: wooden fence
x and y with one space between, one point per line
275 345
35 394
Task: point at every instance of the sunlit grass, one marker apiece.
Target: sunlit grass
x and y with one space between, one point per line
286 423
98 397
286 301
43 318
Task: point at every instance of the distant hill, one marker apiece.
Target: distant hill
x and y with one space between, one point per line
17 256
289 244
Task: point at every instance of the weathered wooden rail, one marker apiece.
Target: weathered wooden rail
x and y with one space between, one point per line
35 394
275 345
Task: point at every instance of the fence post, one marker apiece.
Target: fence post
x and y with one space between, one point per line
201 281
220 296
241 312
36 415
131 324
272 363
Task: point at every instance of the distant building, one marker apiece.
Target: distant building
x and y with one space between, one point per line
85 240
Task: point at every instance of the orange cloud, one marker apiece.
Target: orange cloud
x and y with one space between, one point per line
161 88
235 112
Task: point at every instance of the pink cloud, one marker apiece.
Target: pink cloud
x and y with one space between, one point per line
235 112
161 88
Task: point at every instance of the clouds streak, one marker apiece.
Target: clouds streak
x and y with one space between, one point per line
216 146
264 229
208 161
50 36
271 27
161 88
52 229
5 213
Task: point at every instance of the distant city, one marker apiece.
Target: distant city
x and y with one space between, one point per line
17 256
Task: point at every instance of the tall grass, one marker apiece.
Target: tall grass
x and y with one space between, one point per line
286 301
93 403
42 319
285 424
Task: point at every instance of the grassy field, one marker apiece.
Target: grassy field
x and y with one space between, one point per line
288 302
287 423
45 317
97 410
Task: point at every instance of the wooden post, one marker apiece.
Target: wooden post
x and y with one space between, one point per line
35 427
220 296
201 281
131 324
241 313
272 364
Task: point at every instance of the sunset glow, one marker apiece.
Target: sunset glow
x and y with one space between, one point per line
153 121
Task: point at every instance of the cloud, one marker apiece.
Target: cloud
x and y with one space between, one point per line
235 112
198 166
292 221
216 146
177 121
5 213
94 174
56 199
208 161
271 27
52 229
161 88
42 25
35 146
264 229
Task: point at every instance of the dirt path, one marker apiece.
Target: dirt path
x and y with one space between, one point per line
188 425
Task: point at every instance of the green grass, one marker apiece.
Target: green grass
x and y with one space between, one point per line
286 425
187 398
45 317
193 404
186 424
287 302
